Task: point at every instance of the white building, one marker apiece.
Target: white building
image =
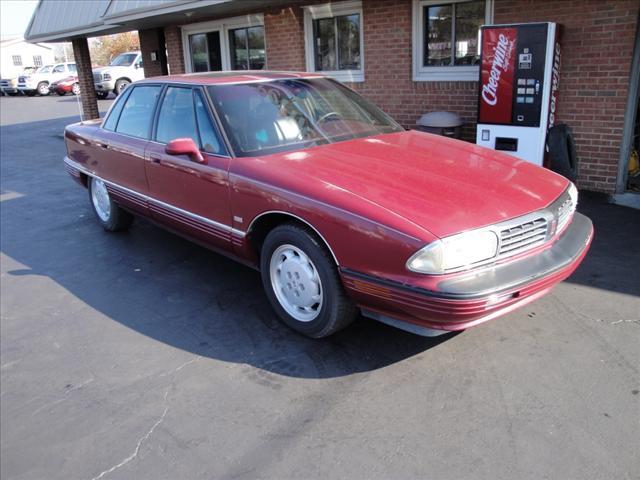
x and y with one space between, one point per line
16 54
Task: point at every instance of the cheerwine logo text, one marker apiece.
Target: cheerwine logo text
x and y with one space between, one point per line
555 84
501 60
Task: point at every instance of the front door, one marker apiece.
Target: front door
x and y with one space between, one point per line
205 52
189 196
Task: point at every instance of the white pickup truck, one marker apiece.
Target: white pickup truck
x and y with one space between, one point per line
39 81
124 69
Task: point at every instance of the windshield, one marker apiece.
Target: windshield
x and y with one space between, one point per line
124 60
45 69
282 115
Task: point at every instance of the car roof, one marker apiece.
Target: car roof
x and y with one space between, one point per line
227 77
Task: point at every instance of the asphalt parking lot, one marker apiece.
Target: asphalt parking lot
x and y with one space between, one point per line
141 355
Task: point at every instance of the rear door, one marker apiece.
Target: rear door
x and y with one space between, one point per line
127 130
189 196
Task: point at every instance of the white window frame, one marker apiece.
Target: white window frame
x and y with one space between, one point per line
330 10
35 62
16 60
223 27
436 74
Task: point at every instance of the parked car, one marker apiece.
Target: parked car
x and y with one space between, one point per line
336 204
66 85
124 69
39 81
9 86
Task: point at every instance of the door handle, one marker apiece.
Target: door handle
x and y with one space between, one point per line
102 145
155 159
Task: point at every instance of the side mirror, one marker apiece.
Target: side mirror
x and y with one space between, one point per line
184 146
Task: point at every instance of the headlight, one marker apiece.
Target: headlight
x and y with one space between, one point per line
573 193
106 76
454 252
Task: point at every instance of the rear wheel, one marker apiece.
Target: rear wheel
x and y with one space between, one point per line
302 283
75 89
109 214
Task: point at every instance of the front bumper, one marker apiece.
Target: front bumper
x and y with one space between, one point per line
9 89
470 298
104 86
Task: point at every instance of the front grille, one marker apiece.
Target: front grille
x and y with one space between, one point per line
97 77
521 237
4 83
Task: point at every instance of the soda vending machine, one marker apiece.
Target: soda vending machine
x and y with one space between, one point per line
519 77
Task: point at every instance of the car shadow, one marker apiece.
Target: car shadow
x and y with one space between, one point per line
161 285
614 258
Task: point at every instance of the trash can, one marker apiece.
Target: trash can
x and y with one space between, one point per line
447 124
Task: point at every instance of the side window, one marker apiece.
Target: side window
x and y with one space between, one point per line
137 113
72 68
208 133
177 118
114 113
58 69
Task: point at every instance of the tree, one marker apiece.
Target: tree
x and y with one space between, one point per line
104 49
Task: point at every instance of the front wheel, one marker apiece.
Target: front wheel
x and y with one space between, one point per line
302 283
75 89
43 88
121 85
109 214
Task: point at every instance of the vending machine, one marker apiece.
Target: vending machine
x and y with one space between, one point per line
518 88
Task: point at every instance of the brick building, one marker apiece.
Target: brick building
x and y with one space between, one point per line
407 56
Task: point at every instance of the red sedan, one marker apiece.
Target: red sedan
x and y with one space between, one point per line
66 85
338 207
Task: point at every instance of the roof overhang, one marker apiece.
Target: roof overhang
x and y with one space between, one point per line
53 20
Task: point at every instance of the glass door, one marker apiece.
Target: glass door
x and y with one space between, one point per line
206 55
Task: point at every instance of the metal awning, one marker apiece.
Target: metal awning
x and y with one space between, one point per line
63 20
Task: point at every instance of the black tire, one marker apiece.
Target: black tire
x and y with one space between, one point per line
43 89
30 93
61 93
562 151
121 84
102 95
119 219
75 89
12 94
337 310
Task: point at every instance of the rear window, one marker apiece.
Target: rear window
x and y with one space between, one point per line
137 113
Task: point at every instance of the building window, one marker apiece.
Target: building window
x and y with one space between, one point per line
17 60
446 38
37 60
334 40
246 47
230 44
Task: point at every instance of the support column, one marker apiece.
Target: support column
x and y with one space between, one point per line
85 78
152 44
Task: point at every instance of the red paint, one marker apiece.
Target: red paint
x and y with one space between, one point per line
496 79
374 200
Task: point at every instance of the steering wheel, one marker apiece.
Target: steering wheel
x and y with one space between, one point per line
326 116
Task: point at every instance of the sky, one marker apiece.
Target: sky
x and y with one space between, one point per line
15 16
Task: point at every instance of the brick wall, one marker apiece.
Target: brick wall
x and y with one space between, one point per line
175 55
598 41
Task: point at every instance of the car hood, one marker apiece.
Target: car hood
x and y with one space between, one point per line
443 185
108 69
